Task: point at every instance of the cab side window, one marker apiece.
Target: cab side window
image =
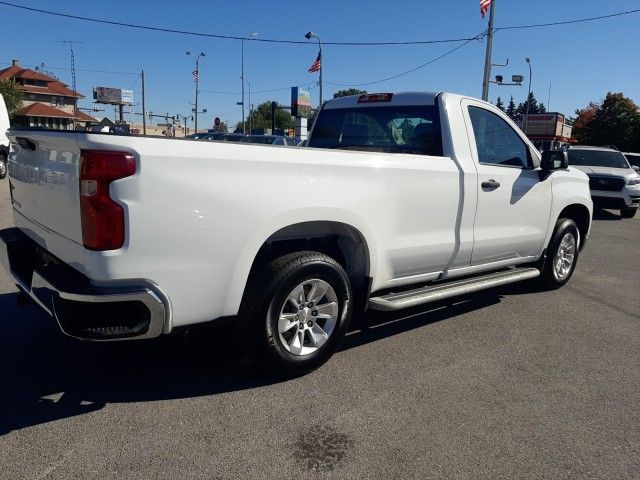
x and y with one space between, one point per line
497 142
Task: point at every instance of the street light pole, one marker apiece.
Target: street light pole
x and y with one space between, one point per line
309 36
251 35
526 122
197 75
249 83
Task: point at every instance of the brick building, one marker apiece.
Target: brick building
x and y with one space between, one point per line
46 101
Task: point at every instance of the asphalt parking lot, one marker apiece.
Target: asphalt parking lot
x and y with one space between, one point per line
511 383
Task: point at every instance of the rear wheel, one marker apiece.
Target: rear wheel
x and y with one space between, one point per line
562 254
3 166
628 212
296 312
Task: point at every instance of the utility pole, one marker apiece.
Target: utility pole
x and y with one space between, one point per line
244 128
144 109
487 60
73 78
274 105
244 125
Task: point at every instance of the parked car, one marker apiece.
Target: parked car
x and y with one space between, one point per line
269 140
232 137
400 200
612 181
4 141
197 136
633 159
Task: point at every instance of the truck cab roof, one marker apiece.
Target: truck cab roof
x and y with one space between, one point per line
383 99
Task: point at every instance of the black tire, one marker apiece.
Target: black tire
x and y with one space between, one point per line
267 293
3 167
549 278
628 212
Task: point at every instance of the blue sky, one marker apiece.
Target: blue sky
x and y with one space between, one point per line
582 62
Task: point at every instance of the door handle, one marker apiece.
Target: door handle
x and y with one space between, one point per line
490 184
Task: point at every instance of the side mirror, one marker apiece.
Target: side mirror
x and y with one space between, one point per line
554 160
636 168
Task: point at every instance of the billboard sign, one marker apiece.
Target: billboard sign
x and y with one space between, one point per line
126 97
112 96
300 102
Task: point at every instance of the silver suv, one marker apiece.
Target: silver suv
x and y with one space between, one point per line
613 182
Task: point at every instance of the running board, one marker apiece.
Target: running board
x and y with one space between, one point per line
433 293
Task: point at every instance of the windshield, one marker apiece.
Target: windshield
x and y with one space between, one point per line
391 129
597 158
633 159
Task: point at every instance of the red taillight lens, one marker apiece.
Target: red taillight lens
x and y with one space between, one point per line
102 218
375 98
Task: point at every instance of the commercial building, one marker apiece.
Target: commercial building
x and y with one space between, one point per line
46 102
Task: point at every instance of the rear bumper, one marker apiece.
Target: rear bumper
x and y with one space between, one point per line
82 310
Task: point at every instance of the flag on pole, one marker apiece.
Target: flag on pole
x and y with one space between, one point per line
195 75
484 6
315 66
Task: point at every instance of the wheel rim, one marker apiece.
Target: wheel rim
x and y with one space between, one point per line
308 317
565 256
3 167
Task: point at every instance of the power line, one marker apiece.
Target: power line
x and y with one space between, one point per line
219 36
299 42
568 22
218 92
513 27
79 69
433 60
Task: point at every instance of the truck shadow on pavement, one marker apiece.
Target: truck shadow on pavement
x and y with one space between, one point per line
45 376
599 214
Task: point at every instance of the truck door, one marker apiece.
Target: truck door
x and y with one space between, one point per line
514 205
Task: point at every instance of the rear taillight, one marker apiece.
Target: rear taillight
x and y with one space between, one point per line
375 97
102 218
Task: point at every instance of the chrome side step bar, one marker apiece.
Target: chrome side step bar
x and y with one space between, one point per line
433 293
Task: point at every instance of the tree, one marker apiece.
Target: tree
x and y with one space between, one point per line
12 95
349 91
582 124
615 121
260 117
511 109
500 104
533 105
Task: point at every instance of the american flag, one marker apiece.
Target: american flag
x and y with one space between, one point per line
195 75
315 66
484 6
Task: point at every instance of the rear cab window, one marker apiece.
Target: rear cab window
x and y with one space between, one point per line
387 129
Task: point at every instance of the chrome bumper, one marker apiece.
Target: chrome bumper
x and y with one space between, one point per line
81 310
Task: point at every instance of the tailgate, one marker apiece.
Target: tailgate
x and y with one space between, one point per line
44 170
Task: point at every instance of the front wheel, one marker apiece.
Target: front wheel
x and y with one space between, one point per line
628 212
562 254
296 311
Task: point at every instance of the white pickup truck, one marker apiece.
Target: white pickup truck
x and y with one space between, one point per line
399 200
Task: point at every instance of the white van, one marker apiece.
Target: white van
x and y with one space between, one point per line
4 141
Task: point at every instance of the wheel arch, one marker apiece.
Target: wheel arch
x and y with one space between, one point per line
581 215
344 242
